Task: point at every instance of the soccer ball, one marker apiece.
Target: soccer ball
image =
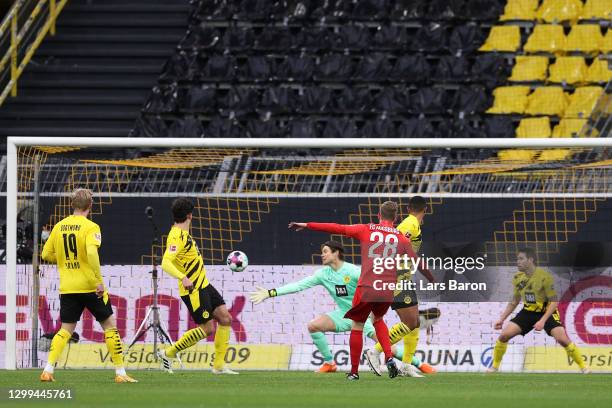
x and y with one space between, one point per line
237 261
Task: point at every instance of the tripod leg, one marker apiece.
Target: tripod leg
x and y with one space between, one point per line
163 334
141 329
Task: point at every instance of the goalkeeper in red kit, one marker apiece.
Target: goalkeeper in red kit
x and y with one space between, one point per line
374 294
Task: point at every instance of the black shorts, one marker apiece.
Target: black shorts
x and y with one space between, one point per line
404 299
526 319
72 305
209 299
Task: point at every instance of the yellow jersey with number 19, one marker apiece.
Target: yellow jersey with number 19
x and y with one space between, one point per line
183 252
67 246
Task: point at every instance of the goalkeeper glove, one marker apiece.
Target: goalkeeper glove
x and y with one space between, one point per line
261 294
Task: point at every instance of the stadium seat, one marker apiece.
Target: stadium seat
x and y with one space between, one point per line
412 68
520 10
519 155
568 127
556 11
534 127
596 10
606 45
416 127
599 71
582 102
569 70
357 100
451 69
509 99
529 68
585 38
546 100
546 38
503 39
465 39
499 126
490 69
554 154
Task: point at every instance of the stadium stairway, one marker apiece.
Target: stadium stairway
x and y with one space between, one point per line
93 76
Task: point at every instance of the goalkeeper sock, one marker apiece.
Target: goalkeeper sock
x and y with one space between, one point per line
396 333
319 340
356 346
221 343
187 340
115 349
416 361
382 334
573 353
498 353
410 344
57 346
397 353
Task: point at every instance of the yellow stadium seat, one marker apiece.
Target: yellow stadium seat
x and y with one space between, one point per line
546 100
599 71
520 10
503 38
555 154
597 10
556 11
546 38
568 127
571 70
606 45
520 155
534 127
509 99
584 38
582 102
531 68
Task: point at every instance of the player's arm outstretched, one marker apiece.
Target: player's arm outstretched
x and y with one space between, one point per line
262 294
173 246
352 231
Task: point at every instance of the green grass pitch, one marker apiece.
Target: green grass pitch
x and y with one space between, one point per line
95 388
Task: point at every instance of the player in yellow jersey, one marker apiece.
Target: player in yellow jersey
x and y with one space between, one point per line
536 288
405 302
183 261
73 245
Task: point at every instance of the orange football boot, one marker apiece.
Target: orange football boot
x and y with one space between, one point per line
328 368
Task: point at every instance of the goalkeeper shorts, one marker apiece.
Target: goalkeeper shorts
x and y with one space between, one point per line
344 325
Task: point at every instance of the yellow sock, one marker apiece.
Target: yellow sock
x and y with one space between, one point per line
114 346
573 352
57 345
190 338
498 353
410 345
221 342
396 333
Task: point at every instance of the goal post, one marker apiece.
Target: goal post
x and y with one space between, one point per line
438 179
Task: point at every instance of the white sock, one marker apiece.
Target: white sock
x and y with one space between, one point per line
120 371
49 368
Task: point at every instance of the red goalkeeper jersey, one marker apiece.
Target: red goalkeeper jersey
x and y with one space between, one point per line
377 241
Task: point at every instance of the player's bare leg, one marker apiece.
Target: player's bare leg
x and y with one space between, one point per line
560 335
317 328
58 343
222 335
115 350
509 331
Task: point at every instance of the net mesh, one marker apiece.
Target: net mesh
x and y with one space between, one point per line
551 200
